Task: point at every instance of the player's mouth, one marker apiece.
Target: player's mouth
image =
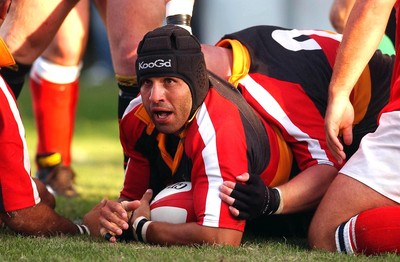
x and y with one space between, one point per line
161 116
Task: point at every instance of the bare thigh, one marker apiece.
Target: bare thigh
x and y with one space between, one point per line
69 44
127 22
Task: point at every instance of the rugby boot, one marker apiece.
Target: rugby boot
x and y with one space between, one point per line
58 178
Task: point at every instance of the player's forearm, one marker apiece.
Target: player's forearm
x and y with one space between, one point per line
191 234
364 30
305 191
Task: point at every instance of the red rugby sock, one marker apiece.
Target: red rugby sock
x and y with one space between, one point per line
54 106
373 231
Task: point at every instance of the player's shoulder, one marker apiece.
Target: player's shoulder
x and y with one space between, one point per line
134 120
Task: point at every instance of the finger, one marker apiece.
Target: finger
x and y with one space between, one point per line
238 195
253 180
226 198
113 216
107 235
234 211
130 205
243 177
112 208
240 214
112 222
240 206
229 184
348 135
243 216
240 191
336 148
147 195
103 231
124 204
226 190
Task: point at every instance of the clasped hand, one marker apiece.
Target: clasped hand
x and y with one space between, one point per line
117 217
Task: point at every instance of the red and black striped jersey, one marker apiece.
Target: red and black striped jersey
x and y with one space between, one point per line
284 75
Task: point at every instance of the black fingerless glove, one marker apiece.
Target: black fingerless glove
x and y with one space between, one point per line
254 199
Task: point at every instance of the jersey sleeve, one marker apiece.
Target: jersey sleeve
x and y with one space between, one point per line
17 188
220 149
137 171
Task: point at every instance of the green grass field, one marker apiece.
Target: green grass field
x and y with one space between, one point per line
97 159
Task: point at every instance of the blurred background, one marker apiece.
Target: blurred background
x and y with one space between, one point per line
214 18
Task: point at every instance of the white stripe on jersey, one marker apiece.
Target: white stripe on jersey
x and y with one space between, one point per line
134 103
211 165
21 130
272 107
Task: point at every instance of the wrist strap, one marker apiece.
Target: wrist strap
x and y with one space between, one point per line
140 228
280 207
272 202
83 229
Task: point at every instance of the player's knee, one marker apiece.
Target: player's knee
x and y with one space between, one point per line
65 54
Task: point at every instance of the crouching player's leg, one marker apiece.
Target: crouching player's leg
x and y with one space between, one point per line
356 214
349 219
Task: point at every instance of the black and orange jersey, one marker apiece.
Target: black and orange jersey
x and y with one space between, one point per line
284 75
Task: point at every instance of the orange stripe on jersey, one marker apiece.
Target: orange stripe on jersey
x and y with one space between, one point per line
361 95
141 113
284 162
281 158
6 59
172 163
241 59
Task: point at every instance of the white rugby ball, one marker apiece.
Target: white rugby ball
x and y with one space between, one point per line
174 204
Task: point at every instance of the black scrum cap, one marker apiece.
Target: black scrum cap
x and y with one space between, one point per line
173 51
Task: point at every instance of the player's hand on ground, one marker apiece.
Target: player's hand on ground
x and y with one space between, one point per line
114 218
245 197
144 208
339 120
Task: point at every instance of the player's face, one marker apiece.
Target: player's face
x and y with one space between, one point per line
168 102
